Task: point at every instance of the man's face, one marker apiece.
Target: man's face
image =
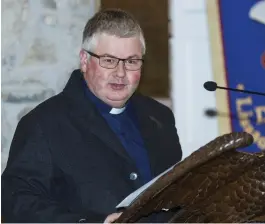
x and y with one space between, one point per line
113 86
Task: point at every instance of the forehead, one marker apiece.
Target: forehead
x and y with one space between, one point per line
118 46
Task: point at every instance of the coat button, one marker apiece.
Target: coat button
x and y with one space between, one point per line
133 176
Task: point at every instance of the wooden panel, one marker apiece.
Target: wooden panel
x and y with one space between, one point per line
153 17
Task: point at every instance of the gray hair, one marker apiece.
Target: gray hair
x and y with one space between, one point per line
114 22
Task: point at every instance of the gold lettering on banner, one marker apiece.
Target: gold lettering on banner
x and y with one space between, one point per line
261 143
256 135
260 112
244 102
245 118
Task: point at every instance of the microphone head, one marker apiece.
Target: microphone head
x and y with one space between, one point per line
210 86
211 113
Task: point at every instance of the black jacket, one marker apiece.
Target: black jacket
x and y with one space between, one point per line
65 163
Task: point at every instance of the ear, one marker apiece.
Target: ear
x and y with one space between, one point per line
83 61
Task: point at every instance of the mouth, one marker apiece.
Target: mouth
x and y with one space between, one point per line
116 86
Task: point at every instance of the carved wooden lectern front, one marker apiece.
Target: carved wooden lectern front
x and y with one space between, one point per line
216 183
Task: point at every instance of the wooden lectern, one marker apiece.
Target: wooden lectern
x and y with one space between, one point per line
216 183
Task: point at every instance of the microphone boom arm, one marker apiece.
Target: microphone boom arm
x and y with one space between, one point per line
242 91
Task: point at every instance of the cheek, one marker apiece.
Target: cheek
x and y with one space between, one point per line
99 77
135 78
93 66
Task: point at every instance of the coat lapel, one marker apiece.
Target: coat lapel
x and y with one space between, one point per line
99 127
90 119
149 126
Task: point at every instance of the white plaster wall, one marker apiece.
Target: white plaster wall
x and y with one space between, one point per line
40 45
190 68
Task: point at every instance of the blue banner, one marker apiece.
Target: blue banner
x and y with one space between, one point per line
242 28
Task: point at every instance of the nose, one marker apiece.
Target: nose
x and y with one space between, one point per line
121 69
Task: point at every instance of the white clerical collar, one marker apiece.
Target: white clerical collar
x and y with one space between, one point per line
117 110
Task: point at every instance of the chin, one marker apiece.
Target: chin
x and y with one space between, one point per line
117 102
118 96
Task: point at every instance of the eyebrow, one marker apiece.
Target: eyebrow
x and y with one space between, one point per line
112 56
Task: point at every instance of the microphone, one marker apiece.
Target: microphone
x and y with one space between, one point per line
211 113
212 86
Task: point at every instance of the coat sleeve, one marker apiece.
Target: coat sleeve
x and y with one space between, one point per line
26 181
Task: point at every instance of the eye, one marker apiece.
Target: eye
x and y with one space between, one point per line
132 61
109 60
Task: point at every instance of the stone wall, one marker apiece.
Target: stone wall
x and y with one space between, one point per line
41 40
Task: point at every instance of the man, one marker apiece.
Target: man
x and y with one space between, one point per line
77 155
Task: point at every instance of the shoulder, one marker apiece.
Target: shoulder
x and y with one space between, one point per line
47 110
153 102
152 106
